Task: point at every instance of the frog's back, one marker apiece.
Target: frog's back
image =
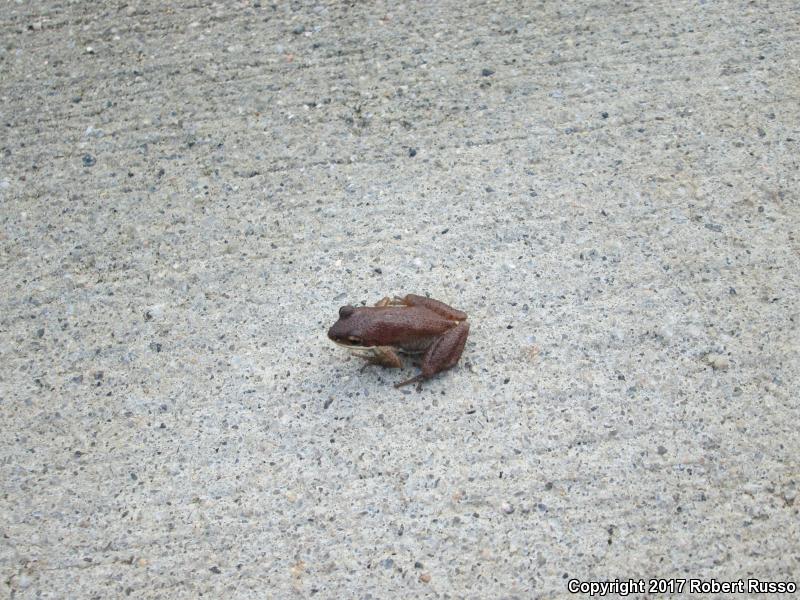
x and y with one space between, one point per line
411 328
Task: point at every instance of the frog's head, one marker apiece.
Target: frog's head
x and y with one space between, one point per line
347 330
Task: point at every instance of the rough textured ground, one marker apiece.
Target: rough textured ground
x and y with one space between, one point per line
188 192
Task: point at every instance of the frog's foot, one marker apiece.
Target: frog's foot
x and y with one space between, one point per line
384 356
418 378
386 301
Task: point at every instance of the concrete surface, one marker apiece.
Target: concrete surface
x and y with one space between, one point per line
189 193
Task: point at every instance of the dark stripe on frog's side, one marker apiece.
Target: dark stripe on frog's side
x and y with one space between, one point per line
417 347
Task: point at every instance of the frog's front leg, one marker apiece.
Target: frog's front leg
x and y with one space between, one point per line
379 355
443 353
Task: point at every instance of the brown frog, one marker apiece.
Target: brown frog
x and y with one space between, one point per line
413 325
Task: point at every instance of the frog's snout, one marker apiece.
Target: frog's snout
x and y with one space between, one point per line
339 331
332 334
343 331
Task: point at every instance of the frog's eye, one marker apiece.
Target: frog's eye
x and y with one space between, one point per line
346 311
354 339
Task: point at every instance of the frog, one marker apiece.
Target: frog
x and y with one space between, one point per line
411 324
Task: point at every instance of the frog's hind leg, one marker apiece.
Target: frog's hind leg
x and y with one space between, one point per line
380 355
440 308
443 353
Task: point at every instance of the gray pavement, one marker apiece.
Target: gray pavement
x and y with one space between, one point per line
188 192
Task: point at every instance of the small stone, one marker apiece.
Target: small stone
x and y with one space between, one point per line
89 160
425 577
487 72
297 569
506 508
215 569
155 311
664 332
717 361
661 450
412 152
604 114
